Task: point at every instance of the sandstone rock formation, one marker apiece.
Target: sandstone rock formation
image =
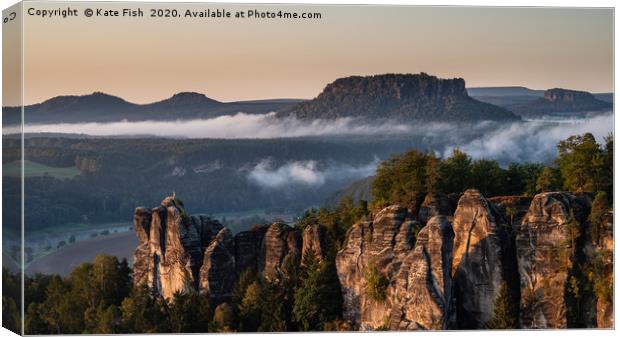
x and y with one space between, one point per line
217 274
179 253
170 253
248 248
143 261
281 246
480 247
394 271
314 240
546 252
435 204
379 244
423 286
174 249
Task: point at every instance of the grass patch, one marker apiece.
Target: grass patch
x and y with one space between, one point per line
32 169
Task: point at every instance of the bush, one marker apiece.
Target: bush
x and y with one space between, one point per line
376 283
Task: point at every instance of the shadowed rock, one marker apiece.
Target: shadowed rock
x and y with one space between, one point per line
546 251
281 246
480 246
423 286
381 244
143 264
435 204
248 248
314 240
217 274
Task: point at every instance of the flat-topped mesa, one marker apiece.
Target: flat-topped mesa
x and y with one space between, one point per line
406 97
479 264
547 254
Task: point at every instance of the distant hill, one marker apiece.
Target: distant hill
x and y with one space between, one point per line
101 107
358 190
605 97
406 97
503 91
559 100
527 102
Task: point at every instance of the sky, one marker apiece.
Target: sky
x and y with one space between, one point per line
148 59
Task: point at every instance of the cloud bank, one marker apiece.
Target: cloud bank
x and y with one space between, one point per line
306 173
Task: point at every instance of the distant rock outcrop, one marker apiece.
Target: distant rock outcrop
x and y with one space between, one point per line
546 252
560 101
405 97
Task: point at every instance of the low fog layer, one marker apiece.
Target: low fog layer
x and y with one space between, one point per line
240 125
533 141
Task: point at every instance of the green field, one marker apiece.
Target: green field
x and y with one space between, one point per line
32 169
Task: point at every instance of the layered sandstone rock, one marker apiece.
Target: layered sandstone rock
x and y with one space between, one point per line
174 249
143 262
546 252
181 253
435 204
478 267
281 246
379 244
248 248
423 286
217 274
314 240
170 253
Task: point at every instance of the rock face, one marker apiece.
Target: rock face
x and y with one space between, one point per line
314 240
248 249
379 244
480 244
423 286
143 261
281 245
435 204
217 274
175 249
170 254
546 252
179 253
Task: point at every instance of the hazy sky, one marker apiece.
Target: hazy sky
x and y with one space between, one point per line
148 59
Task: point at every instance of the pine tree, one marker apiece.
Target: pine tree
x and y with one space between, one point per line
505 312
